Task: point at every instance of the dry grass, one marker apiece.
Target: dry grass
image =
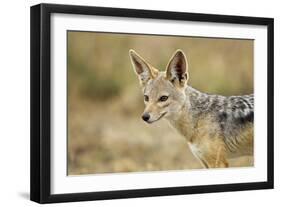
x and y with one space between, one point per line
105 131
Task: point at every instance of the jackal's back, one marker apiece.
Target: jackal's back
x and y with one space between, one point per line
233 115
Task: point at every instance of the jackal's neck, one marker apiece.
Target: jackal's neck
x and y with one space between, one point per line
185 120
195 95
198 101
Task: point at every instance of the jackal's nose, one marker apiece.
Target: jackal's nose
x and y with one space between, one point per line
145 116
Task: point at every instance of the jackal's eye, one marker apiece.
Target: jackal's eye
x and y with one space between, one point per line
146 98
163 98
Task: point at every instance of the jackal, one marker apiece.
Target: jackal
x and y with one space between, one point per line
216 127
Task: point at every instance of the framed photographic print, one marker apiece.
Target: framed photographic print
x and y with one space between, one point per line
132 103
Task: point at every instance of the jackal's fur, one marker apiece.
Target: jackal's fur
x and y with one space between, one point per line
216 127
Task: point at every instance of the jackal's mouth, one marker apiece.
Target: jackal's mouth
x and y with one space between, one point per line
163 114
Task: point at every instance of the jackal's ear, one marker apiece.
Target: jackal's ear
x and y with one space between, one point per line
177 69
144 71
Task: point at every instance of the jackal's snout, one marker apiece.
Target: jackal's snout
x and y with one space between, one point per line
145 117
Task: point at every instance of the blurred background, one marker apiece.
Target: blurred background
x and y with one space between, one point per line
105 103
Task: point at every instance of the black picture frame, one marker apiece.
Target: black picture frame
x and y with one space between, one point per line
41 98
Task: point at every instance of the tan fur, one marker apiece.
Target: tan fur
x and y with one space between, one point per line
205 140
245 141
210 143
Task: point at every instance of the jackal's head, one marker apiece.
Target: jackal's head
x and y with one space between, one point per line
164 92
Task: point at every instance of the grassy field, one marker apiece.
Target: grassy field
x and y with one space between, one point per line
105 130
